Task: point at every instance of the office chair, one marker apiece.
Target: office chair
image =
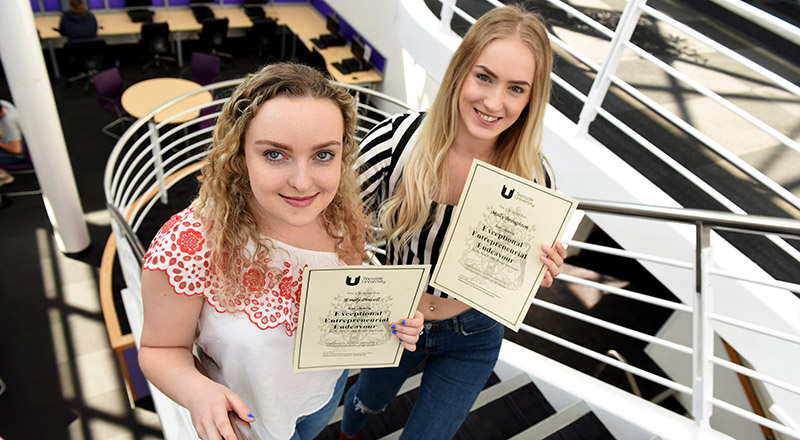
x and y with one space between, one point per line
317 61
108 84
155 38
204 68
214 33
207 111
90 54
262 32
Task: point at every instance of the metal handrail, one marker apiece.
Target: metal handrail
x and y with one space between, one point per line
134 183
703 221
716 219
772 77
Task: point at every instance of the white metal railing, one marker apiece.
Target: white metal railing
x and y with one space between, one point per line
134 184
592 106
149 154
148 160
606 75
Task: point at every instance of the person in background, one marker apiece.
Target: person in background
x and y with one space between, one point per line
225 274
11 148
412 169
77 23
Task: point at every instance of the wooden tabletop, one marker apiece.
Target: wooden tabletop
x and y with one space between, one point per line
305 21
144 96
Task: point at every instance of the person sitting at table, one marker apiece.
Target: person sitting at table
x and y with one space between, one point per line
77 23
12 149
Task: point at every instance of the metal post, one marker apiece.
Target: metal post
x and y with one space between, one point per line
703 332
32 94
627 24
447 14
162 190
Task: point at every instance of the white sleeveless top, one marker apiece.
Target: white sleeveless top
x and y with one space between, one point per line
249 350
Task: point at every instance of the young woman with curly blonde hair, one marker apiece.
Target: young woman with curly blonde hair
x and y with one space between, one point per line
278 195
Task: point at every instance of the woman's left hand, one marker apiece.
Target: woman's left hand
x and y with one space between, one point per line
409 330
553 258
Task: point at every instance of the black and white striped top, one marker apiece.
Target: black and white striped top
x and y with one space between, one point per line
384 151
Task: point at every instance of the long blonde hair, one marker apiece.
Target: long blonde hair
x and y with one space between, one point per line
425 176
225 195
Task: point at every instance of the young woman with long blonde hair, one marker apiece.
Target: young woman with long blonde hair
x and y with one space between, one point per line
412 169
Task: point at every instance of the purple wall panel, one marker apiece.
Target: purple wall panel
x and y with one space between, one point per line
49 5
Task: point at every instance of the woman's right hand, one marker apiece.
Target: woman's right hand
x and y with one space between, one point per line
209 406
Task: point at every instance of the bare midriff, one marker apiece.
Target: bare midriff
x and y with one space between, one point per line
435 308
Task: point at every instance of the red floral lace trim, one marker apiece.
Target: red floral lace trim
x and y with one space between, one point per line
180 250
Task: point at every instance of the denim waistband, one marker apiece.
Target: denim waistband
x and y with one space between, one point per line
455 321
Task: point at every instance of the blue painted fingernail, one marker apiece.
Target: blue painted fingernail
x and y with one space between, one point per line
401 340
394 331
403 322
251 416
393 326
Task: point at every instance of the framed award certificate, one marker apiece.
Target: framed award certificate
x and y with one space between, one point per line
345 313
490 255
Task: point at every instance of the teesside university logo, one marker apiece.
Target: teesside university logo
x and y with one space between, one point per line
506 193
352 282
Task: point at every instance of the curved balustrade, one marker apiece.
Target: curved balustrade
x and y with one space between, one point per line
150 158
147 161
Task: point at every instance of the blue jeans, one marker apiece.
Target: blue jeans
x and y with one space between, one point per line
459 353
309 426
7 158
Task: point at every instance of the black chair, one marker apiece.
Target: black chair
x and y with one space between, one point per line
317 61
262 33
215 33
155 38
89 53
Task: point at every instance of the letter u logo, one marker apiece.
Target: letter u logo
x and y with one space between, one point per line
506 193
352 282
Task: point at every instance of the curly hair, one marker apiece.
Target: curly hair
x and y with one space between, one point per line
225 198
425 175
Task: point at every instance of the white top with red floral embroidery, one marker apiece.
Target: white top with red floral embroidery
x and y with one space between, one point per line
236 349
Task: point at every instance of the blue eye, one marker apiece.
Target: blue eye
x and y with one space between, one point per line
273 155
483 77
324 156
517 89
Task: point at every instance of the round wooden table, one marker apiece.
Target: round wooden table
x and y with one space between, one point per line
144 96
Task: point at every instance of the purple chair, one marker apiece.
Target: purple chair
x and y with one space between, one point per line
207 111
108 84
204 68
